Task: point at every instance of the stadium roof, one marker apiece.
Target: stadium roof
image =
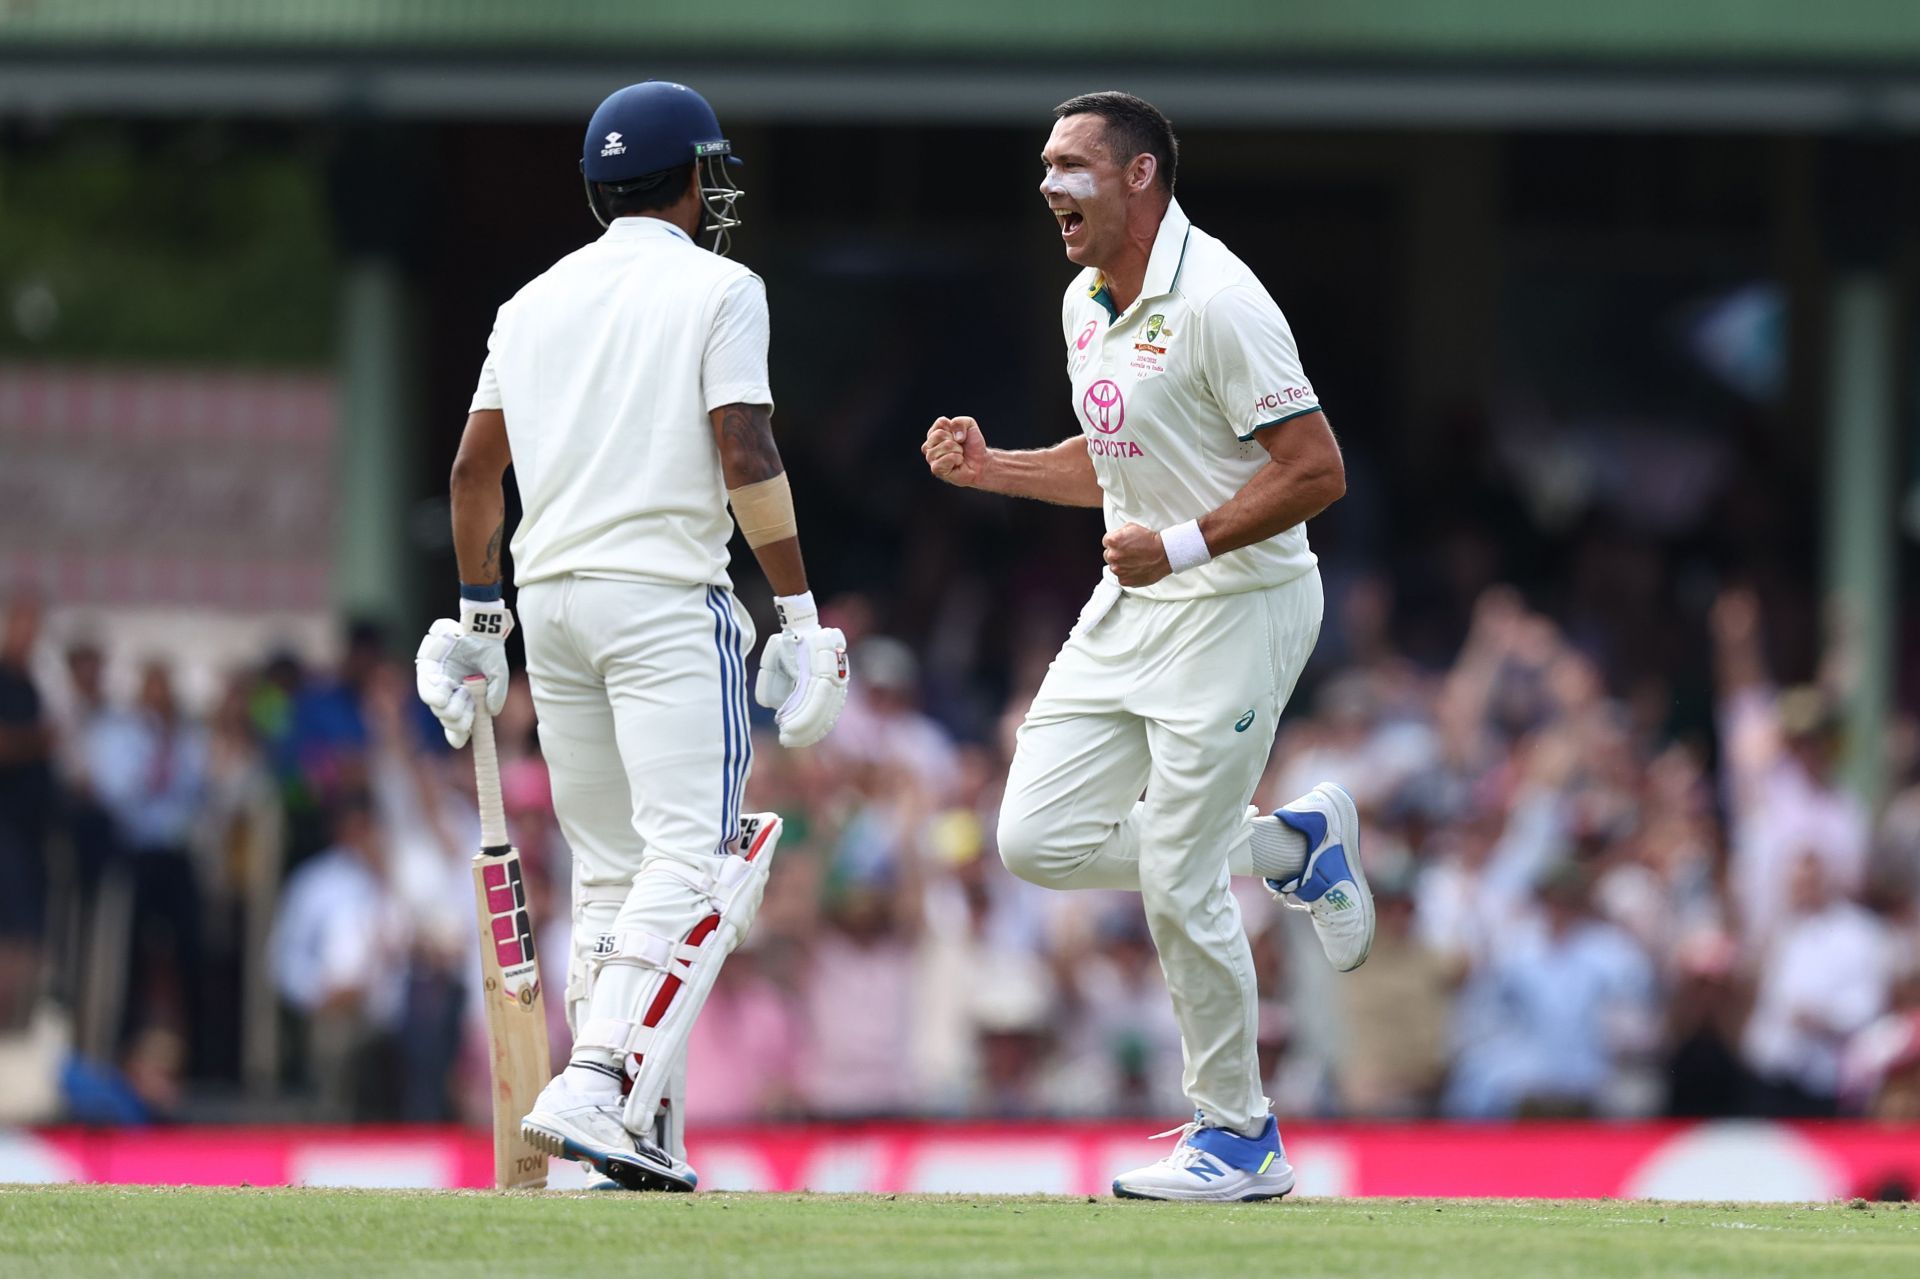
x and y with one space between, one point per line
1634 63
1702 30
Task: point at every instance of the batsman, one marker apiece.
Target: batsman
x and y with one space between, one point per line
1206 446
627 387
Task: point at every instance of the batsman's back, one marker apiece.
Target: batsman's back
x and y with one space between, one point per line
607 365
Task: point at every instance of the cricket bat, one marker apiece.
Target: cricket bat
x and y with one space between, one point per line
509 969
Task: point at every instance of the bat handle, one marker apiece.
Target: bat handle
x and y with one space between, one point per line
486 770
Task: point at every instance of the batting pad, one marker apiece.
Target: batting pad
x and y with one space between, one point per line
677 972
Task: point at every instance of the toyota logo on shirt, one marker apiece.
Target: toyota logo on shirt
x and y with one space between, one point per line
1105 411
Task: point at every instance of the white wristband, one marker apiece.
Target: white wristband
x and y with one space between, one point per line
1186 547
795 610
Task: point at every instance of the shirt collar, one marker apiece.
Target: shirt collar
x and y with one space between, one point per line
636 228
1169 250
1163 263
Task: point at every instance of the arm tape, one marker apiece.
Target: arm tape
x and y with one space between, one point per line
764 511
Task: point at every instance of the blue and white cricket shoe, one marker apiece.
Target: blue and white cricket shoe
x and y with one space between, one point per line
1213 1164
567 1125
1332 887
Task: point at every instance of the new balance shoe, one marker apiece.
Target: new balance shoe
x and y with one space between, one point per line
1213 1164
1332 887
568 1124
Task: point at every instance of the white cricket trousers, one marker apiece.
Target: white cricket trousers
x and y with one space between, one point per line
1181 699
641 690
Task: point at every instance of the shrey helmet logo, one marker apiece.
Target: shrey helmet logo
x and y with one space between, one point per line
1106 411
646 130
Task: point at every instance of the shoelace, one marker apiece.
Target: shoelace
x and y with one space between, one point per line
1183 1153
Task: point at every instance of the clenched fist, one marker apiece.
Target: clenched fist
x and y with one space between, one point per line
1136 555
955 451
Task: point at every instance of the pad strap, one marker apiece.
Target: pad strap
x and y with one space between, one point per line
614 1036
642 950
647 950
717 883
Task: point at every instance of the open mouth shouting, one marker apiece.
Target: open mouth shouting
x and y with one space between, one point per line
1071 223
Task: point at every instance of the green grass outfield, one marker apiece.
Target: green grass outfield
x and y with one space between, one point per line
78 1231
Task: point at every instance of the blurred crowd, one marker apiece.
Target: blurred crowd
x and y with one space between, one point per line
265 910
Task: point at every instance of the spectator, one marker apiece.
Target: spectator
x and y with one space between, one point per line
26 809
746 1051
1121 1050
859 1004
1823 980
895 969
1561 1004
1011 1009
149 769
86 704
1778 752
1394 1008
1880 1069
240 843
883 723
340 962
88 711
1704 1017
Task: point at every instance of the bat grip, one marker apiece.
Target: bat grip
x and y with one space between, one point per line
486 768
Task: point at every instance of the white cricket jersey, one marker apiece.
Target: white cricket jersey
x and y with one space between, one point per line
1169 394
606 366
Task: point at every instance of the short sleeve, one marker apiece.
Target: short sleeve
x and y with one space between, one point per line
734 368
486 395
1250 362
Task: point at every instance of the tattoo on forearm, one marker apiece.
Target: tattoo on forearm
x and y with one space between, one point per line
747 451
490 567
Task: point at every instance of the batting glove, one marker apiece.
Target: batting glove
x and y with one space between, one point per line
451 652
803 672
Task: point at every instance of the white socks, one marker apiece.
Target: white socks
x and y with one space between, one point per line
593 1080
1277 850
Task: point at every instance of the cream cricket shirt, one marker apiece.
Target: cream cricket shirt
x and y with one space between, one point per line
606 366
1170 391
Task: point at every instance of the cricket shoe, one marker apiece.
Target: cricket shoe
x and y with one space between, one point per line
1213 1164
1332 886
569 1125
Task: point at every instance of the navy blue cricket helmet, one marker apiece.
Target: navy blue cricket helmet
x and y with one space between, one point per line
644 132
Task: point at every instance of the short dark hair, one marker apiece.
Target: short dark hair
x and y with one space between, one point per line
648 193
1134 126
